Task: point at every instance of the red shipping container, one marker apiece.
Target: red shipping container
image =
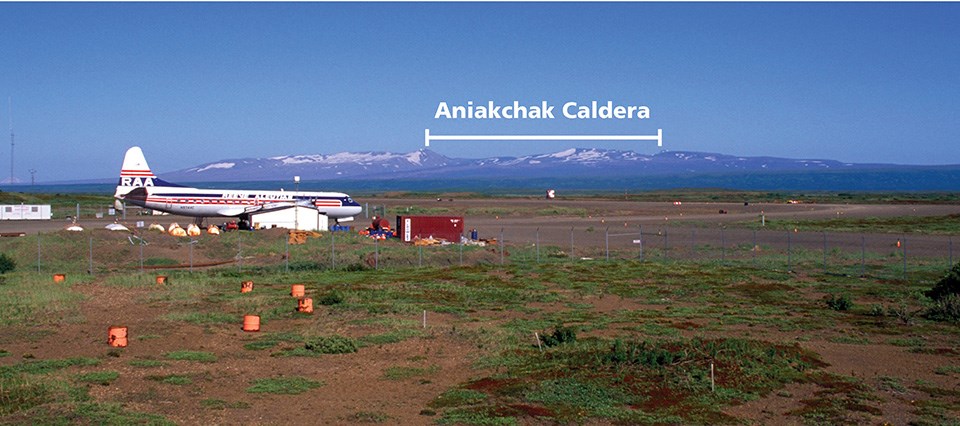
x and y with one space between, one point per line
439 227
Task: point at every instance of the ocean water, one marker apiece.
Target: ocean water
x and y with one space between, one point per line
946 179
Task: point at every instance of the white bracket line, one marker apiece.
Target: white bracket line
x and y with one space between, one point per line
427 137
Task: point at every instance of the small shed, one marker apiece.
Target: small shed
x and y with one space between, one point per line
25 212
411 228
294 217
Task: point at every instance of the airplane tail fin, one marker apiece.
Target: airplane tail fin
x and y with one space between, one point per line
135 173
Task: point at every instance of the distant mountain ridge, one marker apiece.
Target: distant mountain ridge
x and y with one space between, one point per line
424 163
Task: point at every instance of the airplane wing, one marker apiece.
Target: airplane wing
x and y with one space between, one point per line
237 211
231 211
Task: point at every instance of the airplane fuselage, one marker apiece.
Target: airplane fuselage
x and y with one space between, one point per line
229 202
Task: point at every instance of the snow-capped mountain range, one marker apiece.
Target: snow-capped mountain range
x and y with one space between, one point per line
428 164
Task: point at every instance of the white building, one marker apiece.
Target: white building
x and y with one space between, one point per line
25 212
301 218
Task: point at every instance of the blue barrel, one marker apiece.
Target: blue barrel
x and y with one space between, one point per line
474 235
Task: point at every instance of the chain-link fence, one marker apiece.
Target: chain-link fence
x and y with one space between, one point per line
884 256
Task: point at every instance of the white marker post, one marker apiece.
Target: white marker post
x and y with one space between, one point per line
427 137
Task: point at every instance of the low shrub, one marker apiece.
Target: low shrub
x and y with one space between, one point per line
331 298
6 264
560 336
840 303
331 345
945 309
949 284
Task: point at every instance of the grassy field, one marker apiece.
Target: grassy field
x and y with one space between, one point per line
942 225
65 204
545 338
626 342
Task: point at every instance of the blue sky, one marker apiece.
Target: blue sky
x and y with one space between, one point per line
190 83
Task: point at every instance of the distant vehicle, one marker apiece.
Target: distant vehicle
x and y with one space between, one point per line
139 186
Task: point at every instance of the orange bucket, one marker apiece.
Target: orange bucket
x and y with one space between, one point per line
251 323
297 290
161 279
117 336
59 278
305 305
246 286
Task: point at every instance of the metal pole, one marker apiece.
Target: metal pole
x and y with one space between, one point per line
640 239
788 251
239 251
666 244
501 246
538 244
863 254
824 252
141 252
77 217
904 257
606 238
723 247
693 245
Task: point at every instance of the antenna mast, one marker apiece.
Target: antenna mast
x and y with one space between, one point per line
10 114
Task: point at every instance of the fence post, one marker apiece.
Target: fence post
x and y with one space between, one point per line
824 252
723 247
788 251
640 239
538 244
693 245
501 246
666 244
606 238
239 251
863 255
904 257
141 253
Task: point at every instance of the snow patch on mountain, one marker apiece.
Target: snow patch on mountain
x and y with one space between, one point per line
217 166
